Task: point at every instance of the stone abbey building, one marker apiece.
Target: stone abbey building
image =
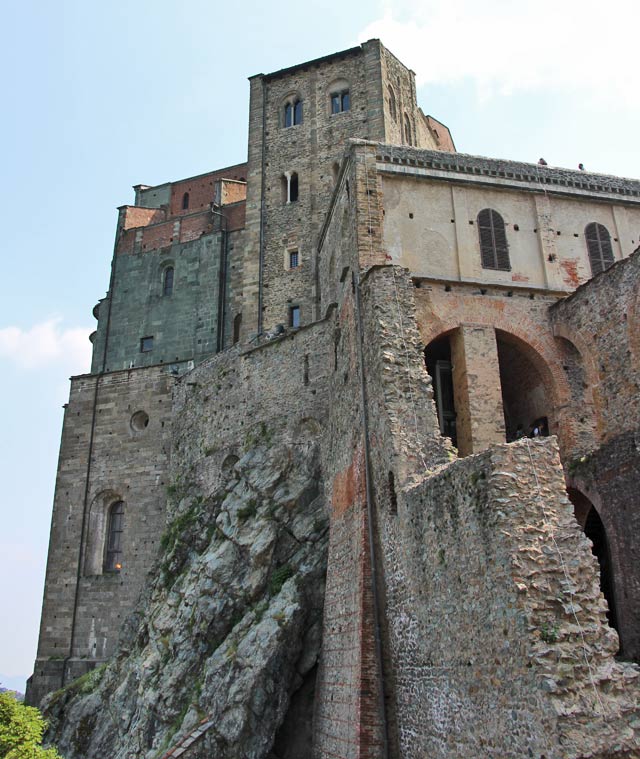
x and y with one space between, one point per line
353 407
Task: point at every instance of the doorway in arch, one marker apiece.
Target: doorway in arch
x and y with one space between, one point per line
590 521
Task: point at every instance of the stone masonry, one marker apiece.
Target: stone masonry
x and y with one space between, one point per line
306 564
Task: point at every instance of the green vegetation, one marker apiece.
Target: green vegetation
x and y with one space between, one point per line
21 730
247 511
549 633
278 579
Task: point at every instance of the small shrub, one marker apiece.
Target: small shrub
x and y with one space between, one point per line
278 579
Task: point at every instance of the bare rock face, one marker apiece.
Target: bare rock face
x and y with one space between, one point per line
228 628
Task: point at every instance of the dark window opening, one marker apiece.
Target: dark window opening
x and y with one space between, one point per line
113 554
407 130
393 498
306 369
167 287
237 324
293 259
293 113
494 250
294 316
438 360
293 188
392 104
599 247
185 201
146 344
340 102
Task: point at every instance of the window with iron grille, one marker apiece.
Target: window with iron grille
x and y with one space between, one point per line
599 247
113 554
494 250
293 259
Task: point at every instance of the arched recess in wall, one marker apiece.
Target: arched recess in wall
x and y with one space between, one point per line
565 337
589 519
529 394
527 388
237 328
579 416
98 524
437 356
441 316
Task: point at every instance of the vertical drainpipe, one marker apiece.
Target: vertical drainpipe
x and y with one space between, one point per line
85 501
262 181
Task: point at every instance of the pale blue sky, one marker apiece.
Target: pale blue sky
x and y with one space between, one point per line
98 97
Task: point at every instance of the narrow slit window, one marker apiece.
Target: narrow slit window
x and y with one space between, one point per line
113 553
407 130
392 104
293 188
167 285
185 201
599 247
494 250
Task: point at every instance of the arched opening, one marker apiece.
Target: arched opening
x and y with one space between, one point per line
525 397
237 326
167 284
185 201
115 528
589 519
407 130
437 356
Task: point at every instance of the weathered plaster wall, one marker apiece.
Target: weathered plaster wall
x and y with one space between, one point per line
430 227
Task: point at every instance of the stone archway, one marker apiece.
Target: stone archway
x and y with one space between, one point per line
526 395
589 519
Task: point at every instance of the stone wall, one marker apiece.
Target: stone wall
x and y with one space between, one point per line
104 457
600 321
497 626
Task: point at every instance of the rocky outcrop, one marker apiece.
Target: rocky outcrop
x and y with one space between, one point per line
227 629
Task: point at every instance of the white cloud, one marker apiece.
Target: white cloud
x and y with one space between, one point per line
47 343
580 47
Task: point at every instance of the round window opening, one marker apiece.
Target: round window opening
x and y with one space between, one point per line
140 421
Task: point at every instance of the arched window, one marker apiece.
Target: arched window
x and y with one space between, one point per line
289 183
185 201
494 250
599 247
407 130
113 553
237 326
167 282
293 112
392 104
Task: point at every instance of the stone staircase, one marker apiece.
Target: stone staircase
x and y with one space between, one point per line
184 744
